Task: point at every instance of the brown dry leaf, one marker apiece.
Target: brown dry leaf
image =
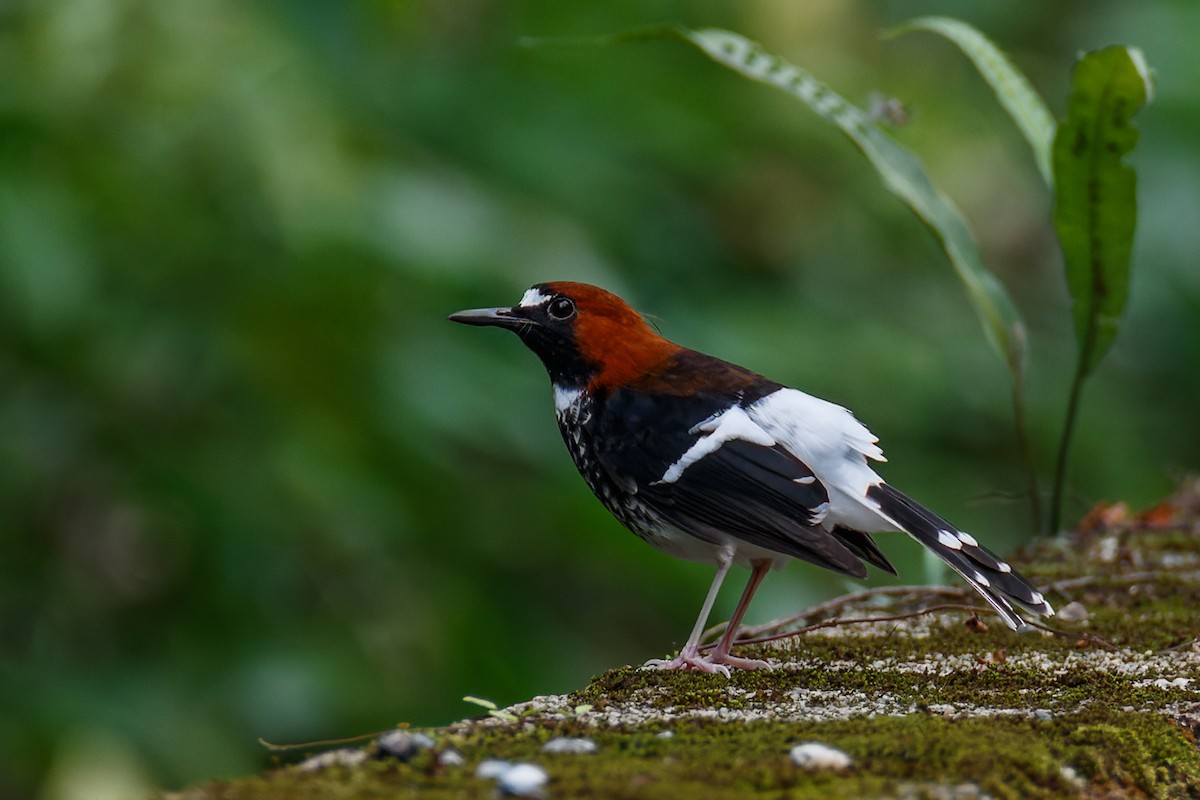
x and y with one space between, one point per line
1104 516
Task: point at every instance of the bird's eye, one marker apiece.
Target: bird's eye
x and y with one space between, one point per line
561 308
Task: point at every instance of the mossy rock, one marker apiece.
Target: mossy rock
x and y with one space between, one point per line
927 704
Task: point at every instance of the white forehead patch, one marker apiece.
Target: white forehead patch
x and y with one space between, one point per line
533 297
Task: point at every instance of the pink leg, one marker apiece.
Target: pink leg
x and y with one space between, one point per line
689 657
719 660
720 653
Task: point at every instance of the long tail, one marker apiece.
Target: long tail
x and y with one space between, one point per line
992 577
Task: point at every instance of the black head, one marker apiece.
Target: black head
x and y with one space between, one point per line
582 333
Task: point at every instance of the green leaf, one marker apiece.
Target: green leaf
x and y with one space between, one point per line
493 710
902 173
1023 104
482 702
1095 209
504 715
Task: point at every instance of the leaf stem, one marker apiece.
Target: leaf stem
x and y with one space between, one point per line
1064 445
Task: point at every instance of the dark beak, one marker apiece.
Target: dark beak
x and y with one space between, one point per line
500 317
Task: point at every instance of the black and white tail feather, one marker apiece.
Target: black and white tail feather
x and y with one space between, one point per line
838 448
989 575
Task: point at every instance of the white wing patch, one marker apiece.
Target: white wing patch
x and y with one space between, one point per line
732 423
834 445
815 430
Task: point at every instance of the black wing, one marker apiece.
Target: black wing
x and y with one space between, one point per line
762 495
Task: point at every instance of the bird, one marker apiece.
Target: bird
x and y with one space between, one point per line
711 462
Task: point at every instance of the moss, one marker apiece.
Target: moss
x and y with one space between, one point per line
1134 754
1012 716
991 685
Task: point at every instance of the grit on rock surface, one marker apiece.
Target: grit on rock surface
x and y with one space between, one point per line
898 692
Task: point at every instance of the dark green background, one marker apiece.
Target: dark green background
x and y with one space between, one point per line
252 483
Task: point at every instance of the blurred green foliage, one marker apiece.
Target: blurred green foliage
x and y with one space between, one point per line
252 484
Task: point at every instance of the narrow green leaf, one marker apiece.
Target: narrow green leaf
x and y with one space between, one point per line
482 702
1095 209
901 171
1014 92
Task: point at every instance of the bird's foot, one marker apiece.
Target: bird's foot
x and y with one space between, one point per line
715 662
687 660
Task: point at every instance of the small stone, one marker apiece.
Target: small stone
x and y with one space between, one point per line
491 768
1043 714
1106 551
523 780
567 744
665 735
343 757
402 745
1073 612
1072 777
816 756
938 791
451 758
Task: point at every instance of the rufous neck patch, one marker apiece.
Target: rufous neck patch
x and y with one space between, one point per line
613 337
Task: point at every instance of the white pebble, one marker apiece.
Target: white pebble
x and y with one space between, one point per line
451 758
491 768
523 780
1072 777
567 744
402 745
1107 550
817 756
1073 612
344 757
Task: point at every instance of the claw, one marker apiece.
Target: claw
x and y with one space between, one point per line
715 662
737 662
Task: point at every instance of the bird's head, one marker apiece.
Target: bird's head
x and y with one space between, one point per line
584 335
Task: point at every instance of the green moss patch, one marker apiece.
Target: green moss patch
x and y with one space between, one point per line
1093 753
926 704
